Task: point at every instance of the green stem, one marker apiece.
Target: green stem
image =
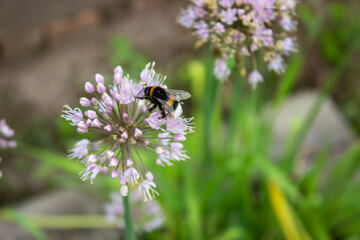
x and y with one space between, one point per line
234 117
208 105
129 227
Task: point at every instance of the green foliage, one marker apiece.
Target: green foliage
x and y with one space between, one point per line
336 36
123 53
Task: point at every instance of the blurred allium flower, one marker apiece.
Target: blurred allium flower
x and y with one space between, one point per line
5 133
241 29
130 132
147 216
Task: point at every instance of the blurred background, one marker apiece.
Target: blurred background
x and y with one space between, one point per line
286 168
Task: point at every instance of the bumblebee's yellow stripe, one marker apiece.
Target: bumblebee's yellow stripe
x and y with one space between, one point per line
169 102
152 90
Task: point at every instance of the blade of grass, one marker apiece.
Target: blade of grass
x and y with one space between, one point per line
234 117
289 222
288 80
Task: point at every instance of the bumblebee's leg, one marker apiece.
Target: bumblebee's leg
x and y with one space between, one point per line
161 108
152 108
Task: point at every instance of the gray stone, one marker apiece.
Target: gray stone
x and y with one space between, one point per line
328 129
61 202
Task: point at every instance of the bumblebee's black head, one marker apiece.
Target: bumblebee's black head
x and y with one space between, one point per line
147 92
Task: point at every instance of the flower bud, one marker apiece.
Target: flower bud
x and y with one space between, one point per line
96 123
108 128
124 191
137 132
149 176
92 159
117 78
89 87
179 137
113 162
159 150
114 173
101 88
85 102
110 154
99 78
90 114
124 135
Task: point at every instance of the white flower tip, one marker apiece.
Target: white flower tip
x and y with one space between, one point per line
124 191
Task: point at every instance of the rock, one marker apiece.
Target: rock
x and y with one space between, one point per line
329 128
61 202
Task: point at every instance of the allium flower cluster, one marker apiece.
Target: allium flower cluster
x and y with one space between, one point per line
241 29
147 216
130 132
5 134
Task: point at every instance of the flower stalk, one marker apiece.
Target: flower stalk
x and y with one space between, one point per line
129 226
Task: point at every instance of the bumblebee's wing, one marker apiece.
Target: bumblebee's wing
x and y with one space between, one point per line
167 105
179 94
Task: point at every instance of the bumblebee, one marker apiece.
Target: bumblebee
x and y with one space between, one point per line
168 100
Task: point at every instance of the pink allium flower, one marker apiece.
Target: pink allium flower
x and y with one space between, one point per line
254 78
129 130
5 134
277 64
147 216
239 29
221 70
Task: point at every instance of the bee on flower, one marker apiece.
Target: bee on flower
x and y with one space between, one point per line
243 30
130 130
5 134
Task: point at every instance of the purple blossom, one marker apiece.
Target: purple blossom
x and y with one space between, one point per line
147 188
99 78
221 70
287 24
219 28
202 30
74 115
226 3
187 17
81 149
277 64
89 87
228 16
288 46
5 130
130 132
5 133
240 28
254 78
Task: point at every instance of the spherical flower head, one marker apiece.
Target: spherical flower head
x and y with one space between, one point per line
129 132
6 133
147 216
239 29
